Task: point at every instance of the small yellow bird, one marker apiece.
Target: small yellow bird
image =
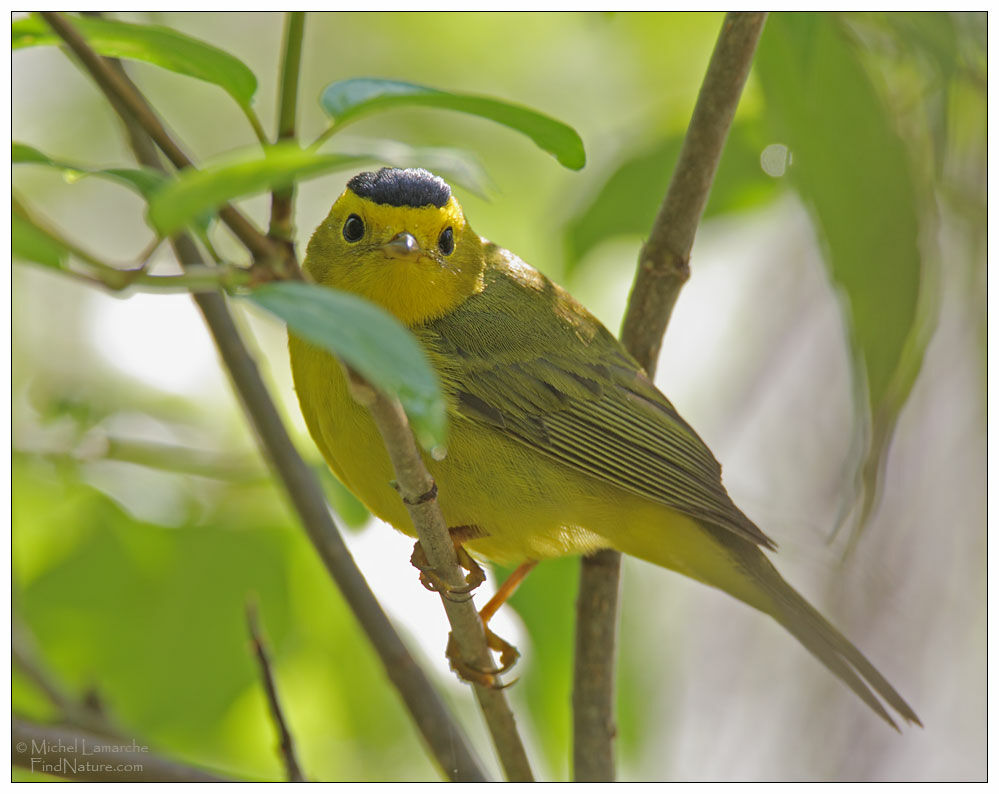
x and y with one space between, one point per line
558 441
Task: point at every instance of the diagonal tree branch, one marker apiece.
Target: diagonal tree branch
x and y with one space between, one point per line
415 484
86 712
663 268
85 744
77 754
122 93
445 739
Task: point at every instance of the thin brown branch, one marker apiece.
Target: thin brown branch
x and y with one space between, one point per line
594 727
76 754
138 139
282 227
444 737
97 445
663 268
415 483
287 743
174 458
663 264
123 94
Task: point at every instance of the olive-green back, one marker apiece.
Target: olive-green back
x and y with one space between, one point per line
524 357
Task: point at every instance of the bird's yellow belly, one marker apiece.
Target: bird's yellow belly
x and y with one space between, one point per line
525 505
485 480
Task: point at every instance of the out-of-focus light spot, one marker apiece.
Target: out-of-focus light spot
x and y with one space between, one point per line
160 339
775 159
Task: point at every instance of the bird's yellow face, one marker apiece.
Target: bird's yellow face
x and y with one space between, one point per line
417 262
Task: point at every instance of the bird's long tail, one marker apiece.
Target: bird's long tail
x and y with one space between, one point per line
716 557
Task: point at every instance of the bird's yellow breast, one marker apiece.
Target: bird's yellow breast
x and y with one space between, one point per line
523 504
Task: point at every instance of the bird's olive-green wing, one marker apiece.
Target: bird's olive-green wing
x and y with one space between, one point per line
525 358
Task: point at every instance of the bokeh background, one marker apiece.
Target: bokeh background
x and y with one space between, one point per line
143 515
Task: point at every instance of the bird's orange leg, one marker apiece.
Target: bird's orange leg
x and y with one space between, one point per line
508 653
430 579
506 590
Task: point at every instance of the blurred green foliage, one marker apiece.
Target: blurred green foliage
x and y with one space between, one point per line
132 575
628 200
157 45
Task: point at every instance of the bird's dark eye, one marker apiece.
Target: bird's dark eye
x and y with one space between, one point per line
353 229
446 241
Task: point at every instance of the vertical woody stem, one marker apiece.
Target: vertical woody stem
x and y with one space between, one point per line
662 270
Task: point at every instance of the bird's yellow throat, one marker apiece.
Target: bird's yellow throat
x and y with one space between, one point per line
416 283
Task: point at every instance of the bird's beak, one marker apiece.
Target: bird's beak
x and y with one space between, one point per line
403 246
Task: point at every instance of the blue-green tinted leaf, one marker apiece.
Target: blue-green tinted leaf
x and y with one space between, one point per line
852 170
32 243
368 339
160 46
196 191
349 99
144 181
627 202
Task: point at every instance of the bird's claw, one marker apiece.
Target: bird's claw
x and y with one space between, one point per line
433 581
477 675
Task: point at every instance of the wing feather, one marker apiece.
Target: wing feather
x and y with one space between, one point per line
553 378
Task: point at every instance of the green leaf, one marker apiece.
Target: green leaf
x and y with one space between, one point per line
196 191
347 100
22 153
32 243
144 181
627 202
852 170
369 340
157 45
458 167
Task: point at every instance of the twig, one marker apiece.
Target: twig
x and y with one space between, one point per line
662 270
83 713
663 265
123 93
445 739
282 200
254 119
97 445
98 273
417 488
80 755
287 745
180 459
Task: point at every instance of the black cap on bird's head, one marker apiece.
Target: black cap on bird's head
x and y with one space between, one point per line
401 187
